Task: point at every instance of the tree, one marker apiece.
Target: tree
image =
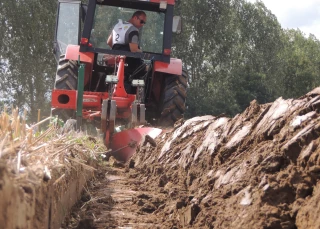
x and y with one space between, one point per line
300 70
27 37
230 48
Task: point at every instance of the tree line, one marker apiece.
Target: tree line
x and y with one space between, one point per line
234 52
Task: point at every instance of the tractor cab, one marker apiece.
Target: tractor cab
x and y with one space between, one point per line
90 26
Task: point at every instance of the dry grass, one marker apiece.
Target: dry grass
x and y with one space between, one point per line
25 150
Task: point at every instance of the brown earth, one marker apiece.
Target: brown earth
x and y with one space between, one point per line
259 169
42 175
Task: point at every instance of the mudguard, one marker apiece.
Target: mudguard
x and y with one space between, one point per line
174 67
73 53
170 2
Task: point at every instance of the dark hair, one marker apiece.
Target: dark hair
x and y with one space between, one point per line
138 13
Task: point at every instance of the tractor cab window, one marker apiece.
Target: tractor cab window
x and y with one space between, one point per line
68 26
106 17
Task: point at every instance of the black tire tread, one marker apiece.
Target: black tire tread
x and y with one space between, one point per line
173 98
67 75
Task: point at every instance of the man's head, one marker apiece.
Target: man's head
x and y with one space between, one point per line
138 19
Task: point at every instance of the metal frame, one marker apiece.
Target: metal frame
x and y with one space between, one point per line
143 5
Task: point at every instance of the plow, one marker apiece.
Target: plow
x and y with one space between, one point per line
112 88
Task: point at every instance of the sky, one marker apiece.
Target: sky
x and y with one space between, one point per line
293 14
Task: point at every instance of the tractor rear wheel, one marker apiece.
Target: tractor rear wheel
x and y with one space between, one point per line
67 75
66 79
174 98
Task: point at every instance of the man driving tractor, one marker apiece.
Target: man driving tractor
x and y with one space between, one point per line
125 36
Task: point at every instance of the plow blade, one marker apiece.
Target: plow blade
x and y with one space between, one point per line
124 143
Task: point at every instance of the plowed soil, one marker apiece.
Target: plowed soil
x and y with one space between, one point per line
260 169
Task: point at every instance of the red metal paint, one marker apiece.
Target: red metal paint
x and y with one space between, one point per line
64 99
119 88
170 2
67 99
73 53
91 101
124 143
167 52
174 67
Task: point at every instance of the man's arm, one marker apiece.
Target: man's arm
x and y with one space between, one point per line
134 47
109 41
134 42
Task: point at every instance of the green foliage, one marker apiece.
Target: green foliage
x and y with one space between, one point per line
300 59
236 52
27 29
56 121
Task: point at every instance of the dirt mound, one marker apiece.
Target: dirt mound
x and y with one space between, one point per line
42 173
259 169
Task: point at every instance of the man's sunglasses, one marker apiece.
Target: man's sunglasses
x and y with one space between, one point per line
141 21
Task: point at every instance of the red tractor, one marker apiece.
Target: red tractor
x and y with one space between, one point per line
92 81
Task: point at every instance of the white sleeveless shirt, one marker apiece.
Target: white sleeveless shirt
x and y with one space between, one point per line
119 33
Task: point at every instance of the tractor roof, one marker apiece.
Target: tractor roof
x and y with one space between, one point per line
152 5
171 2
133 2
